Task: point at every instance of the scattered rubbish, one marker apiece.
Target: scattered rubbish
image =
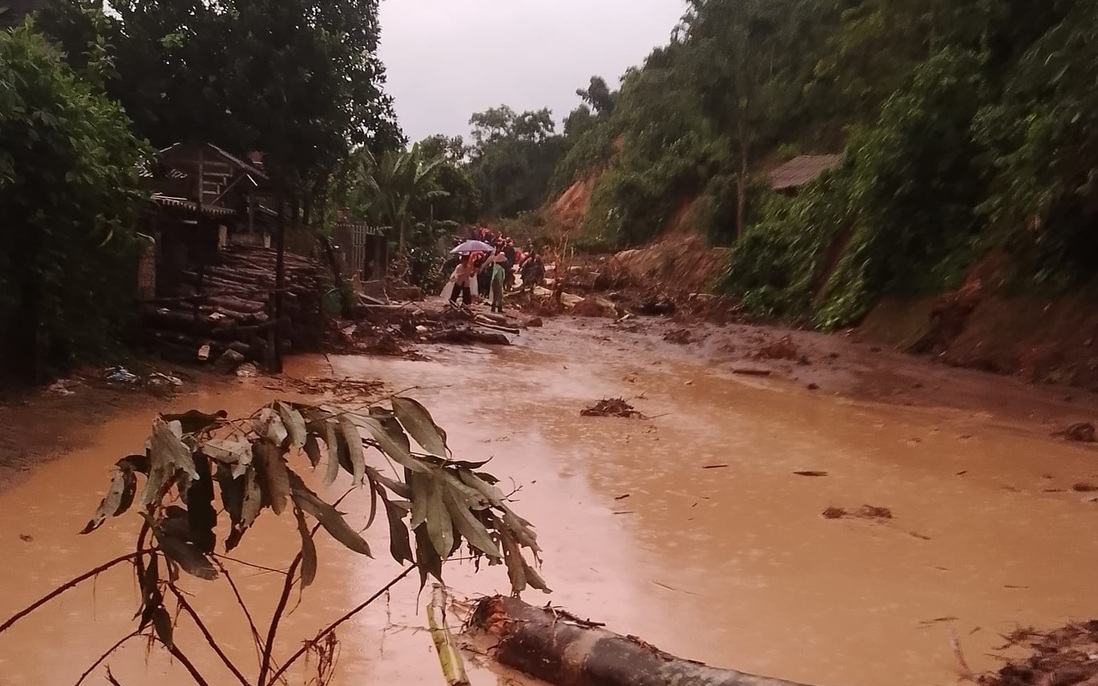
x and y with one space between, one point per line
229 361
1062 656
159 379
63 387
938 620
344 390
745 371
204 352
810 473
672 588
679 337
26 538
1083 432
781 349
864 512
612 407
874 512
715 466
119 375
1084 487
655 306
622 497
246 370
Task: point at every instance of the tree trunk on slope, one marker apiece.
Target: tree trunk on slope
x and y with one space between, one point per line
565 651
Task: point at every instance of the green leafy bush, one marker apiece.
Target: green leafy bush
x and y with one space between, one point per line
70 200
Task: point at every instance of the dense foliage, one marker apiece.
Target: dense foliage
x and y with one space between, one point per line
69 204
967 127
244 74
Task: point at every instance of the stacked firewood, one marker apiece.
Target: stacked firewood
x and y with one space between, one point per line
230 305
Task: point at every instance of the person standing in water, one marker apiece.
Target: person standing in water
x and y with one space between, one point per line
499 276
460 282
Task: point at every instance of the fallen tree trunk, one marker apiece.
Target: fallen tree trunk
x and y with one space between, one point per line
565 651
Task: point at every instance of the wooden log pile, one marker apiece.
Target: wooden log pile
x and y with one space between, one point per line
229 305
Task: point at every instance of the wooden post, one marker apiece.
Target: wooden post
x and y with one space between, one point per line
280 283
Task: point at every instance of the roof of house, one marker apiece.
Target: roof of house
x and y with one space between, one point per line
802 170
229 158
184 204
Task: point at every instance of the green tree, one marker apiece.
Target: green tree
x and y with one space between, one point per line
391 187
512 158
599 96
70 199
1043 135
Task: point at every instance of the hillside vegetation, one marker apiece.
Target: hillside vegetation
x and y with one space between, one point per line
967 129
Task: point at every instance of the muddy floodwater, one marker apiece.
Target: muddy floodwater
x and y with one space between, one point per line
689 529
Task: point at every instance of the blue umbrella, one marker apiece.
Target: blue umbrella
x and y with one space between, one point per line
471 247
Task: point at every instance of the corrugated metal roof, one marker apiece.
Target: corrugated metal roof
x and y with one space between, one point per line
182 203
802 170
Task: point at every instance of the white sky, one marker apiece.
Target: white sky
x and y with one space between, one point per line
447 59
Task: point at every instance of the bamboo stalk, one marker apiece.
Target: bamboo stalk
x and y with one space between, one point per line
449 657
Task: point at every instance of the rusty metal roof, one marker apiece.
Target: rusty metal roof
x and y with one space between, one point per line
802 170
183 203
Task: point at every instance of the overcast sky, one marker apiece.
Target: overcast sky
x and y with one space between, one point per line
447 59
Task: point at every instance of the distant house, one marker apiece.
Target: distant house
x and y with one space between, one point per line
205 198
800 171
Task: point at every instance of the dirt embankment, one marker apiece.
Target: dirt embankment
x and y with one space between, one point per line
982 327
570 209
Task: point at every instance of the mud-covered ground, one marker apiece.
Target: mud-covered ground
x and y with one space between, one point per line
699 527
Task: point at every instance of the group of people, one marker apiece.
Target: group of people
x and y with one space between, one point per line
491 273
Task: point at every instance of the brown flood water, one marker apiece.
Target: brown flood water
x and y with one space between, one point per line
733 566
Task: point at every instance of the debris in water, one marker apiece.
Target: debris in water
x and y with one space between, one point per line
63 386
1083 432
1084 487
623 496
864 512
612 407
813 386
715 466
679 337
743 371
874 512
1060 657
26 538
781 349
937 620
344 390
810 473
